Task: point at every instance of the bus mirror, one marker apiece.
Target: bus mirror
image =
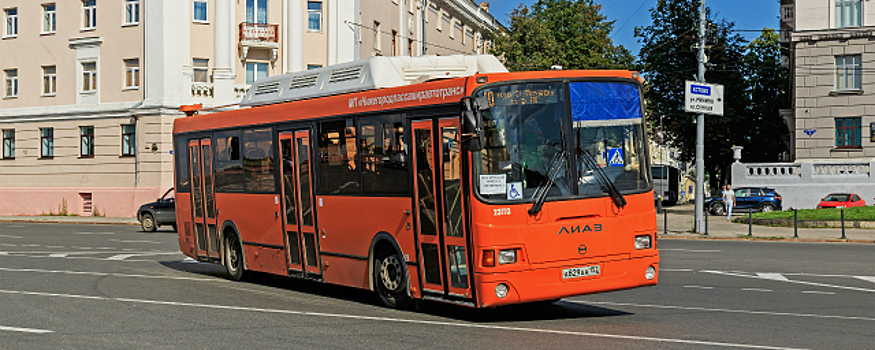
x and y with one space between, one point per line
472 131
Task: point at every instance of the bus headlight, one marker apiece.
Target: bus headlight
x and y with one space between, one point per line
501 290
650 273
507 256
643 242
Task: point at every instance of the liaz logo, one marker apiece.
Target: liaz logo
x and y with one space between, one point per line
580 229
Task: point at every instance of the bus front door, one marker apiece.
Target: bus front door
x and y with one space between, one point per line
203 193
300 228
439 208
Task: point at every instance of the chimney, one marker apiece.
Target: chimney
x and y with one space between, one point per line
485 6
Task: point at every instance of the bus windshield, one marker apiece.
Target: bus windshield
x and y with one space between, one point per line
530 128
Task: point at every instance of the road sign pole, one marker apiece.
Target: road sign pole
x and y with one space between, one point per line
700 131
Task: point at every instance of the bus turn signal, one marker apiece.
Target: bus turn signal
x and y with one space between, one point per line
489 258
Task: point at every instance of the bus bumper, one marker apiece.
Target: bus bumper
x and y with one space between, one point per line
547 283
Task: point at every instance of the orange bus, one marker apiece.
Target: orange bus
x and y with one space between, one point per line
440 178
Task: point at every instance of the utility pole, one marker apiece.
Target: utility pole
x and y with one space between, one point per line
700 132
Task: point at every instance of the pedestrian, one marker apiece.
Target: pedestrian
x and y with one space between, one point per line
728 200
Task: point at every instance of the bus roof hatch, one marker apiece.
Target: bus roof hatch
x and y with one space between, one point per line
367 74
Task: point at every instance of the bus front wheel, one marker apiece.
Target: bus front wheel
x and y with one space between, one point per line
390 280
233 257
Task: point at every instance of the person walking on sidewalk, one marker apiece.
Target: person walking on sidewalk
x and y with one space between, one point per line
728 200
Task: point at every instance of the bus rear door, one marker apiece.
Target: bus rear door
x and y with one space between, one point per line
203 201
300 228
439 208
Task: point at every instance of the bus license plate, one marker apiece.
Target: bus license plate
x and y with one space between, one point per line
583 271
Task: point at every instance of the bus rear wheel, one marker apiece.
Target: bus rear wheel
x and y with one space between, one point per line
390 280
233 257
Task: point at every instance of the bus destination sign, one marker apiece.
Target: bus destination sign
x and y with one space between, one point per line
519 97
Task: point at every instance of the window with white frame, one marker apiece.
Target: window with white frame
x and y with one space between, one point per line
47 142
50 80
314 16
89 76
11 82
89 14
8 143
255 71
49 19
200 10
11 22
201 68
848 72
132 73
256 11
132 11
848 13
86 141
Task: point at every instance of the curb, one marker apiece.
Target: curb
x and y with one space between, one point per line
769 239
34 221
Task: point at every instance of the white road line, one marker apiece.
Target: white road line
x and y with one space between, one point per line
25 330
93 233
772 276
89 273
8 236
124 241
792 281
699 287
756 290
676 270
817 292
690 250
733 311
125 256
398 320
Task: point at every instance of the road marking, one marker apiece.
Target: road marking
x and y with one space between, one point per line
8 236
93 233
756 290
25 330
792 281
733 311
125 256
690 250
676 270
105 274
817 292
772 276
124 241
699 287
396 320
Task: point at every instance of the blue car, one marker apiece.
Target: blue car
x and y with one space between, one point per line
747 198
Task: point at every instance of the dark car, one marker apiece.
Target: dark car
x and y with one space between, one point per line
158 213
749 198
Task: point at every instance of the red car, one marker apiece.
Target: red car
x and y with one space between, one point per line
841 200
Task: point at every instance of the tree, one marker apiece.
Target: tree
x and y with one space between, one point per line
668 57
569 33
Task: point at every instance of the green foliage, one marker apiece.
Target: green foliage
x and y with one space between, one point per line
569 33
754 87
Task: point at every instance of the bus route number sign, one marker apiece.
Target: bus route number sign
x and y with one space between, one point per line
519 97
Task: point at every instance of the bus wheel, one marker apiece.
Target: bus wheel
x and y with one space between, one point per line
390 280
233 257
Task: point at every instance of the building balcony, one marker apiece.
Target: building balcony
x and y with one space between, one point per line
258 36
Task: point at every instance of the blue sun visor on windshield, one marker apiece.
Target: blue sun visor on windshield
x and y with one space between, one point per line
604 101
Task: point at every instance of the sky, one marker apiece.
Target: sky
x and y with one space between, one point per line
628 14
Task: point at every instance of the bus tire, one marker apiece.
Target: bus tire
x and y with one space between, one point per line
233 257
390 280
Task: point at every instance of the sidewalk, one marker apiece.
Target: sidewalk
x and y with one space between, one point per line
94 220
681 220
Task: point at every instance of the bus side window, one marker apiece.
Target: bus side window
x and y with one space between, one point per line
383 158
258 161
183 177
338 158
229 168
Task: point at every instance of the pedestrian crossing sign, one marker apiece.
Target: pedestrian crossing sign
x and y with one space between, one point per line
615 157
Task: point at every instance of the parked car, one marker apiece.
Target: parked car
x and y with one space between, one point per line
841 200
158 213
749 198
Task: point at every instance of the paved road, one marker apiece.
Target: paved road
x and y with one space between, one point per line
110 287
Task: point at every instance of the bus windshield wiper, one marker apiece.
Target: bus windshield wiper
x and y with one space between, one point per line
540 195
604 182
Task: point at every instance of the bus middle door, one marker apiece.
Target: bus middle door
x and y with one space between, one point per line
439 208
298 209
203 201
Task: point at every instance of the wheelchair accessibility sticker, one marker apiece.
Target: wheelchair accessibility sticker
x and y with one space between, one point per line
514 190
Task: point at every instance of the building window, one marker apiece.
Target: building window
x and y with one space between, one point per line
49 22
848 72
129 139
255 71
314 16
89 76
9 144
89 14
47 142
377 36
132 73
313 66
11 22
132 11
50 80
201 67
848 13
86 141
848 133
200 10
394 43
256 11
11 82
